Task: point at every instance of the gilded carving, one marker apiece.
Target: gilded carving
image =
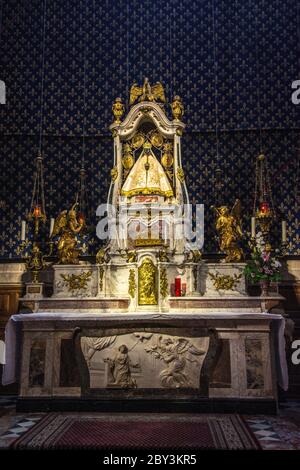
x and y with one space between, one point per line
77 282
147 92
128 159
177 108
138 140
225 281
132 256
114 173
162 256
35 262
167 156
180 174
164 287
131 283
102 256
147 283
156 139
118 110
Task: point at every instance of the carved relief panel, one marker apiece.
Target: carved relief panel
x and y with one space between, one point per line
144 360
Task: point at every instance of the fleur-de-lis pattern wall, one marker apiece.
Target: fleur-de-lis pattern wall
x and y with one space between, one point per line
237 56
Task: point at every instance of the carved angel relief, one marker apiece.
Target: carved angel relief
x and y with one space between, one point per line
175 353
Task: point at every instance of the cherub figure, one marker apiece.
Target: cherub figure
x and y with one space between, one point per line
228 225
67 226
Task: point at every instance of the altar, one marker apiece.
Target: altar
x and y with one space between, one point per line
175 362
151 324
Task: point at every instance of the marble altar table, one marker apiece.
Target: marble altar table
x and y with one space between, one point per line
176 361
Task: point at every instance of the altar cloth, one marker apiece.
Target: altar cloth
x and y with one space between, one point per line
12 339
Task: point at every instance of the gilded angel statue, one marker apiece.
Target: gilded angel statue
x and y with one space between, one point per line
147 92
67 226
228 226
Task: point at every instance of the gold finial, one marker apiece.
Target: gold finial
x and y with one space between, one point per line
261 157
177 108
118 110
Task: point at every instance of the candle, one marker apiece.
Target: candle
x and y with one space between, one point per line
177 287
252 227
23 230
51 226
283 227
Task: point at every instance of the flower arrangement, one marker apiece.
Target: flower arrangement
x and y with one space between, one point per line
263 266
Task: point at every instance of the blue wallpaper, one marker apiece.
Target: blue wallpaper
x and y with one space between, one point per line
256 58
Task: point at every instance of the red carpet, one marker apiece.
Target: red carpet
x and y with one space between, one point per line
56 431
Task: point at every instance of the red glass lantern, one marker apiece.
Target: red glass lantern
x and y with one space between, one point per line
177 287
264 207
37 212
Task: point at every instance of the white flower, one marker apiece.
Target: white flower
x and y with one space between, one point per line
276 264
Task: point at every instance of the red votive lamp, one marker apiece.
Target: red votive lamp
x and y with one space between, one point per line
37 212
264 207
177 287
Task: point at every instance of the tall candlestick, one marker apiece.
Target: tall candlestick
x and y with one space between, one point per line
23 230
252 227
51 226
283 227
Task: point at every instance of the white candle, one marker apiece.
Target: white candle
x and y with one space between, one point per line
283 227
51 226
23 230
252 227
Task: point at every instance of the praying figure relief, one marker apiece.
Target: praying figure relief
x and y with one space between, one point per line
119 373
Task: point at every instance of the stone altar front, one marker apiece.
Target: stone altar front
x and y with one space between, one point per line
202 362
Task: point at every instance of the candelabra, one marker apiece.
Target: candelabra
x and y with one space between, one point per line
263 208
31 249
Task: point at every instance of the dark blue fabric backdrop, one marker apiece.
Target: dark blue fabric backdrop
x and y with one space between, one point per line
257 58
